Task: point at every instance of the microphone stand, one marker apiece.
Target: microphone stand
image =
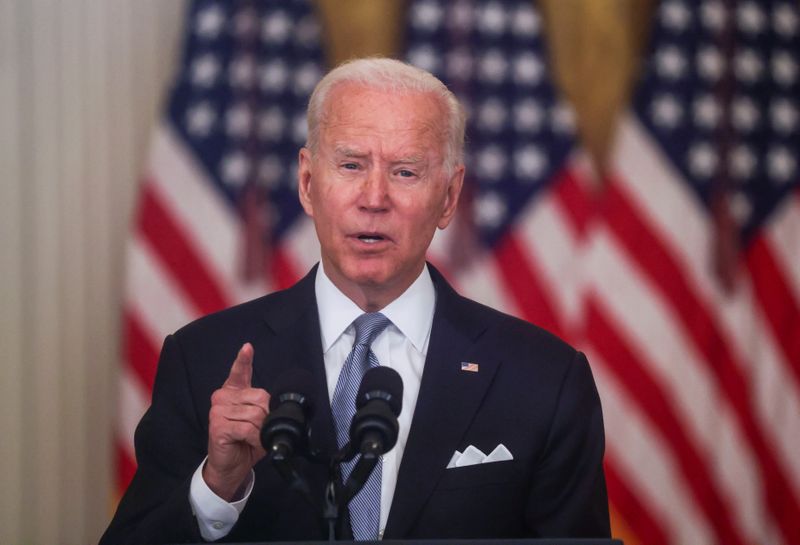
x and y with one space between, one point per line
282 460
330 509
337 497
334 502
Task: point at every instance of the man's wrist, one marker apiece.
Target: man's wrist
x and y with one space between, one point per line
216 516
228 488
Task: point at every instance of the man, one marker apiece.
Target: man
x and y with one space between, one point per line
382 170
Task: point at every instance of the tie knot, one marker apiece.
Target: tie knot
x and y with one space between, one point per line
368 326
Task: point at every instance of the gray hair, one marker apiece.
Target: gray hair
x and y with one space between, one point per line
392 75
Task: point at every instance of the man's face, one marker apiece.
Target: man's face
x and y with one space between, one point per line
377 190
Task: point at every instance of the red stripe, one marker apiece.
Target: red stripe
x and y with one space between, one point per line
284 272
125 465
648 530
776 298
631 372
141 355
177 254
444 268
575 201
650 253
524 281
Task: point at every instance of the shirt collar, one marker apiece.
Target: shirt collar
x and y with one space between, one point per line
411 313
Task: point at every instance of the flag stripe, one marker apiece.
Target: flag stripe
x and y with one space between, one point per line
645 462
484 281
125 464
670 358
161 307
284 271
648 251
653 187
548 234
178 256
652 402
301 245
187 191
140 353
780 307
643 524
574 199
785 242
524 281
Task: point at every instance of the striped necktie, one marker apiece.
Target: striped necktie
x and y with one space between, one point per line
365 507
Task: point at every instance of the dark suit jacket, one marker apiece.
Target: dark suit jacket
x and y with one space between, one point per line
532 392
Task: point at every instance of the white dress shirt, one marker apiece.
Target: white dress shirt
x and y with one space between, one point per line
403 346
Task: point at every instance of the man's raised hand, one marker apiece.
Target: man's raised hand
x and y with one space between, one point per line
234 428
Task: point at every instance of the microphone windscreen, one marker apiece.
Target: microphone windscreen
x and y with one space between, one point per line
384 383
295 385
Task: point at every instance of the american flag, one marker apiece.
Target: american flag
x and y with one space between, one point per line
682 280
218 220
525 175
692 297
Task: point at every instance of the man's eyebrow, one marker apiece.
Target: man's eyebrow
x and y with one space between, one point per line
348 152
411 159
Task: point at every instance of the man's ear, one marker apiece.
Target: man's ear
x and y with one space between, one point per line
304 180
454 185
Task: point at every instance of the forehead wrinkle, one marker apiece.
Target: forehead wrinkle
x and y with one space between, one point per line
425 127
409 159
349 151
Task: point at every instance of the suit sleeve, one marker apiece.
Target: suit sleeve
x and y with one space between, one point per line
568 496
170 444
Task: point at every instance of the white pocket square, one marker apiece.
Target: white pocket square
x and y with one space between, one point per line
472 456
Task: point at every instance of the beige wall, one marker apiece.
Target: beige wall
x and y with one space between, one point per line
80 85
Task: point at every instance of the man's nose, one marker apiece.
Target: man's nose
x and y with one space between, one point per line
375 191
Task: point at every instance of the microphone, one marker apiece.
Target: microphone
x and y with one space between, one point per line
285 431
373 431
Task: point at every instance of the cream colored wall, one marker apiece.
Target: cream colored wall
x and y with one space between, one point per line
80 86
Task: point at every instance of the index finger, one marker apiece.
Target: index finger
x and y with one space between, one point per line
241 375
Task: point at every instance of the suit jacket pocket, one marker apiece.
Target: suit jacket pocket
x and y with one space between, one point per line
479 475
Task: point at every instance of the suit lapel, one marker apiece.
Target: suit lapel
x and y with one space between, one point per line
297 343
448 399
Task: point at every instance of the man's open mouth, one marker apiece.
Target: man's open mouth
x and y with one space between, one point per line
371 238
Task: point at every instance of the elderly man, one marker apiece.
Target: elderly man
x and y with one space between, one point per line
501 431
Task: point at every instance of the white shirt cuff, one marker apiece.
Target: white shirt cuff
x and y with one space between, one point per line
215 516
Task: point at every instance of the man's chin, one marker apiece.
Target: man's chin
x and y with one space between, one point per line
372 275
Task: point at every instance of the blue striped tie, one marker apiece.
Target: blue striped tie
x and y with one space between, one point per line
365 507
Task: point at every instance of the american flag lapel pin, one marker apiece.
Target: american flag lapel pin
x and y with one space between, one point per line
469 366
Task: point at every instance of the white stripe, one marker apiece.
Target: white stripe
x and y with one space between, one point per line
682 375
301 244
548 238
661 196
777 398
444 240
483 282
679 220
152 294
783 234
775 390
645 464
746 338
133 402
480 280
208 221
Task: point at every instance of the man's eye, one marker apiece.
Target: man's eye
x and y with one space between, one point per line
404 173
350 166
